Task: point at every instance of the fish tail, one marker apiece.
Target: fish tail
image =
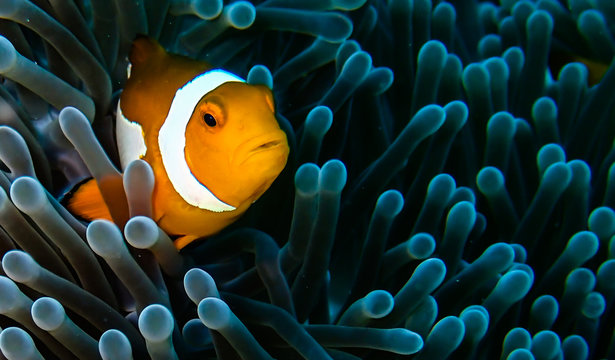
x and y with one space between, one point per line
85 201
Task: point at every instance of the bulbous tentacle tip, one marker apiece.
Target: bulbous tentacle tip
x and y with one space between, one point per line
8 54
208 9
240 14
105 238
199 285
333 176
20 266
319 120
260 75
214 313
113 344
156 323
141 232
28 195
48 313
16 343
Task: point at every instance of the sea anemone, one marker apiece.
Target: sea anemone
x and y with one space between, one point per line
449 191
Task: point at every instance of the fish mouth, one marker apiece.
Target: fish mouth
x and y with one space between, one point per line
263 144
266 146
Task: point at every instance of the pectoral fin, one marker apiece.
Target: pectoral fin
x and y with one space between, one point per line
182 241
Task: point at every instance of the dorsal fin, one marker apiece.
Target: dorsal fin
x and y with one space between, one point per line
143 48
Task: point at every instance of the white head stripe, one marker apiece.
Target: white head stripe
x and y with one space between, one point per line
130 142
172 140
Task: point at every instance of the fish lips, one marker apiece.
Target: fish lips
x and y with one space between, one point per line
270 148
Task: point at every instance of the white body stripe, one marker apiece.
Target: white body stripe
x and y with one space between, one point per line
130 141
172 140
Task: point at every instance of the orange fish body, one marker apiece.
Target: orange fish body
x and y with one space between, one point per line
211 139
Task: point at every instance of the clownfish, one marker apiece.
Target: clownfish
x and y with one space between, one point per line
211 139
595 68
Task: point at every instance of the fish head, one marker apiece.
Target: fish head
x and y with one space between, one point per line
206 132
234 144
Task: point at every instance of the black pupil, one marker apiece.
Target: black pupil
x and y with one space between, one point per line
209 120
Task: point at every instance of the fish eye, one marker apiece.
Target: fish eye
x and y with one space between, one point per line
210 120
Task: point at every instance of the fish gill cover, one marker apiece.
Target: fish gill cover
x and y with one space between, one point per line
449 192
